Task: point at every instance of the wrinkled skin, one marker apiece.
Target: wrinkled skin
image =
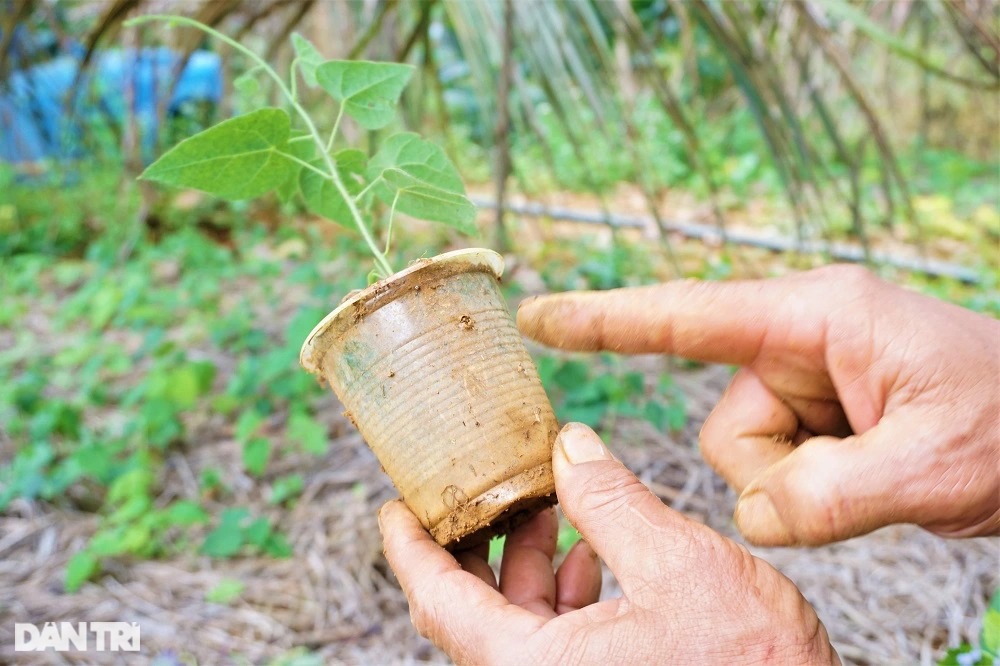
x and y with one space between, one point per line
857 405
690 596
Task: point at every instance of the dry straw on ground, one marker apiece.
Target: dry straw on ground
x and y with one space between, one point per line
894 597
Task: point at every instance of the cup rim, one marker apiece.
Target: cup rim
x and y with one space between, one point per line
378 294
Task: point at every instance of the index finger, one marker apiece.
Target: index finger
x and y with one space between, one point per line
456 610
721 322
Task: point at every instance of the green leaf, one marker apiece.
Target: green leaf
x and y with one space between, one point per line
255 455
247 83
257 532
131 509
288 189
496 549
547 367
369 91
431 203
634 383
568 536
247 424
285 488
427 183
240 158
612 388
133 483
106 543
677 415
301 146
308 432
136 539
666 384
422 160
989 637
104 305
571 375
225 591
210 479
309 58
182 385
656 414
185 512
972 657
277 545
591 415
588 392
321 195
226 539
81 567
951 657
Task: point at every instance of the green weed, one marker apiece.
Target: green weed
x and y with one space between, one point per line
598 394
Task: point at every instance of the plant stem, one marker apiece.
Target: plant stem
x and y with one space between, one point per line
304 164
392 215
292 79
336 128
366 233
369 186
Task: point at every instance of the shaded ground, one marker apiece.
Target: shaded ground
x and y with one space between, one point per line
893 597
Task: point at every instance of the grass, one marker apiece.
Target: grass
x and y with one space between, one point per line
120 341
112 363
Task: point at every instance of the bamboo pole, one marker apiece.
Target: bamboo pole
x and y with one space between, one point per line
710 234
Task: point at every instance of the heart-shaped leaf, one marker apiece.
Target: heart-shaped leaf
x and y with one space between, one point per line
369 91
301 146
418 176
240 158
427 202
322 196
309 58
226 539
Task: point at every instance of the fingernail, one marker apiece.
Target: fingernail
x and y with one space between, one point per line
526 320
759 521
528 300
381 513
580 444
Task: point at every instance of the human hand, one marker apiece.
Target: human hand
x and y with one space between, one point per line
690 594
859 403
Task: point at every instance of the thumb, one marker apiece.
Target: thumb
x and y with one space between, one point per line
625 524
830 489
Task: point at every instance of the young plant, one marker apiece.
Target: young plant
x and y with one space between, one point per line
598 396
270 150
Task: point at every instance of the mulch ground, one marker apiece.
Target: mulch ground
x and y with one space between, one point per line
896 596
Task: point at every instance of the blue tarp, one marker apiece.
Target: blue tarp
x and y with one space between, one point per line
40 120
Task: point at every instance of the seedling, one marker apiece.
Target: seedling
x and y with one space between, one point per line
270 150
579 392
439 384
